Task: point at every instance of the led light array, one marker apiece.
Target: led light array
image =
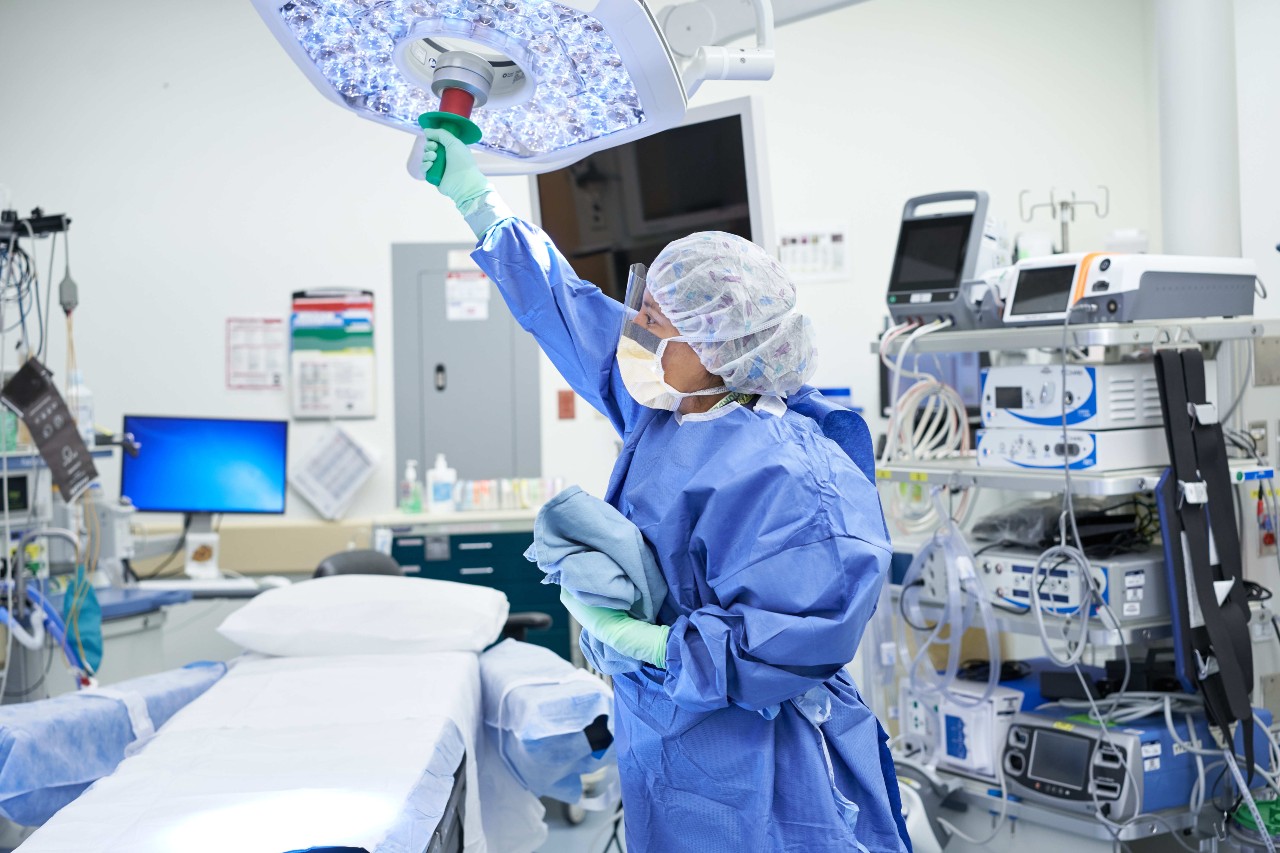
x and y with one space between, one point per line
581 88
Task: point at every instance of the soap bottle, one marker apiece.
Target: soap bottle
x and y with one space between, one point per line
410 488
440 482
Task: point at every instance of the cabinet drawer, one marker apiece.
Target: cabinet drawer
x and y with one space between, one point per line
434 556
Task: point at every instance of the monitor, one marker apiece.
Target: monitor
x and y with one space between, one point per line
1040 294
1043 291
621 206
931 253
205 465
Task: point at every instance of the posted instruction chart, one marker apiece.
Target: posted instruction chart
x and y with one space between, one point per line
332 358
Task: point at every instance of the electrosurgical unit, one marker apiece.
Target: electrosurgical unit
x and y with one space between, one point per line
1062 759
1157 287
1133 585
1125 288
1095 396
1046 449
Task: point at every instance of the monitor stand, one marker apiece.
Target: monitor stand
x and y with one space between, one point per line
202 548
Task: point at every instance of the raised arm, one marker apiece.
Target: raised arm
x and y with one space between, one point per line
575 324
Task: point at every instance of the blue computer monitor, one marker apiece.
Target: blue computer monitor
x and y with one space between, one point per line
205 465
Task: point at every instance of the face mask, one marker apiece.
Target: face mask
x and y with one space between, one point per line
642 373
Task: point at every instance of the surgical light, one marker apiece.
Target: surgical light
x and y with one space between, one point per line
564 78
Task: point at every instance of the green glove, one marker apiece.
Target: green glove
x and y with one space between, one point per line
462 181
629 635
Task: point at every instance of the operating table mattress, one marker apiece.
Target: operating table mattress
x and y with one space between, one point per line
290 753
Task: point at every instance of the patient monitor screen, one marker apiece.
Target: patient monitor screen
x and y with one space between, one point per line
205 465
1059 759
931 253
1042 291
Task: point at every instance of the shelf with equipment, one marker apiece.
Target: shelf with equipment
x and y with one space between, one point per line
984 796
1153 333
964 473
1100 636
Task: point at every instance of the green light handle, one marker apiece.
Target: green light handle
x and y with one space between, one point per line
462 128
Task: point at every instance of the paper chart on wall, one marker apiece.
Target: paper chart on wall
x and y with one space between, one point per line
257 353
816 254
332 364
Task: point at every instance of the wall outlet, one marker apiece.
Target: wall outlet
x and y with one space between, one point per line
1258 432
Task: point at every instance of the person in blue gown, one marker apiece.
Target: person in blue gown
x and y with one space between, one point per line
739 728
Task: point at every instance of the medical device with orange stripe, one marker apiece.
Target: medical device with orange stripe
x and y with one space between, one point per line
1128 287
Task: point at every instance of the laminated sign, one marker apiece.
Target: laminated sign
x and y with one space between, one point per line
32 394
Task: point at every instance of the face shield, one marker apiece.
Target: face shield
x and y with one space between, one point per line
634 303
640 353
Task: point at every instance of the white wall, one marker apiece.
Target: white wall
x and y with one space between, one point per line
1258 103
885 100
208 179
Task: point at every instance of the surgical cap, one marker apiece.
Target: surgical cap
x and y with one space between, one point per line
734 303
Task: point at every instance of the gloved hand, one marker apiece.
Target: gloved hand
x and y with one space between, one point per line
615 628
462 181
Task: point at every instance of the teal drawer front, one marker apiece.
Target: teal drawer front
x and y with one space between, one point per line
493 560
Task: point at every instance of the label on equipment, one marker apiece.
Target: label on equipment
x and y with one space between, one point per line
32 394
1132 608
1151 764
1151 750
1138 578
1133 594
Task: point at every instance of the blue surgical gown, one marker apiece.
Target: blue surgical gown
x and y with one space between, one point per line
773 546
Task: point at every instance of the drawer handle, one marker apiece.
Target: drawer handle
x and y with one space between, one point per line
409 543
483 570
474 546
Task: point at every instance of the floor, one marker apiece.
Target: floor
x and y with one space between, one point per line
590 836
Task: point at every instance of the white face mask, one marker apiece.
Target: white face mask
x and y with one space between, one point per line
642 373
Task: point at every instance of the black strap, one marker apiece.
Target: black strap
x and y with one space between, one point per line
1211 453
1204 503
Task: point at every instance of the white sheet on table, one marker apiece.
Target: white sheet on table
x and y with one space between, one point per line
287 753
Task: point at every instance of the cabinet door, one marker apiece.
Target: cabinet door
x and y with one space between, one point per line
466 384
495 560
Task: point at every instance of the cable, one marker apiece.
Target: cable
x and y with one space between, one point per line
41 320
1249 801
965 594
1244 386
1069 548
9 557
177 549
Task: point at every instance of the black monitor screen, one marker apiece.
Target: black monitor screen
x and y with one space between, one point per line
206 465
621 206
691 169
1042 291
931 253
19 498
1060 759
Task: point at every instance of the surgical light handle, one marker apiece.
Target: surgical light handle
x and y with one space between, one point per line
462 80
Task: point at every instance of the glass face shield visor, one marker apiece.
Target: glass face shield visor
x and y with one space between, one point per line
632 328
640 353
